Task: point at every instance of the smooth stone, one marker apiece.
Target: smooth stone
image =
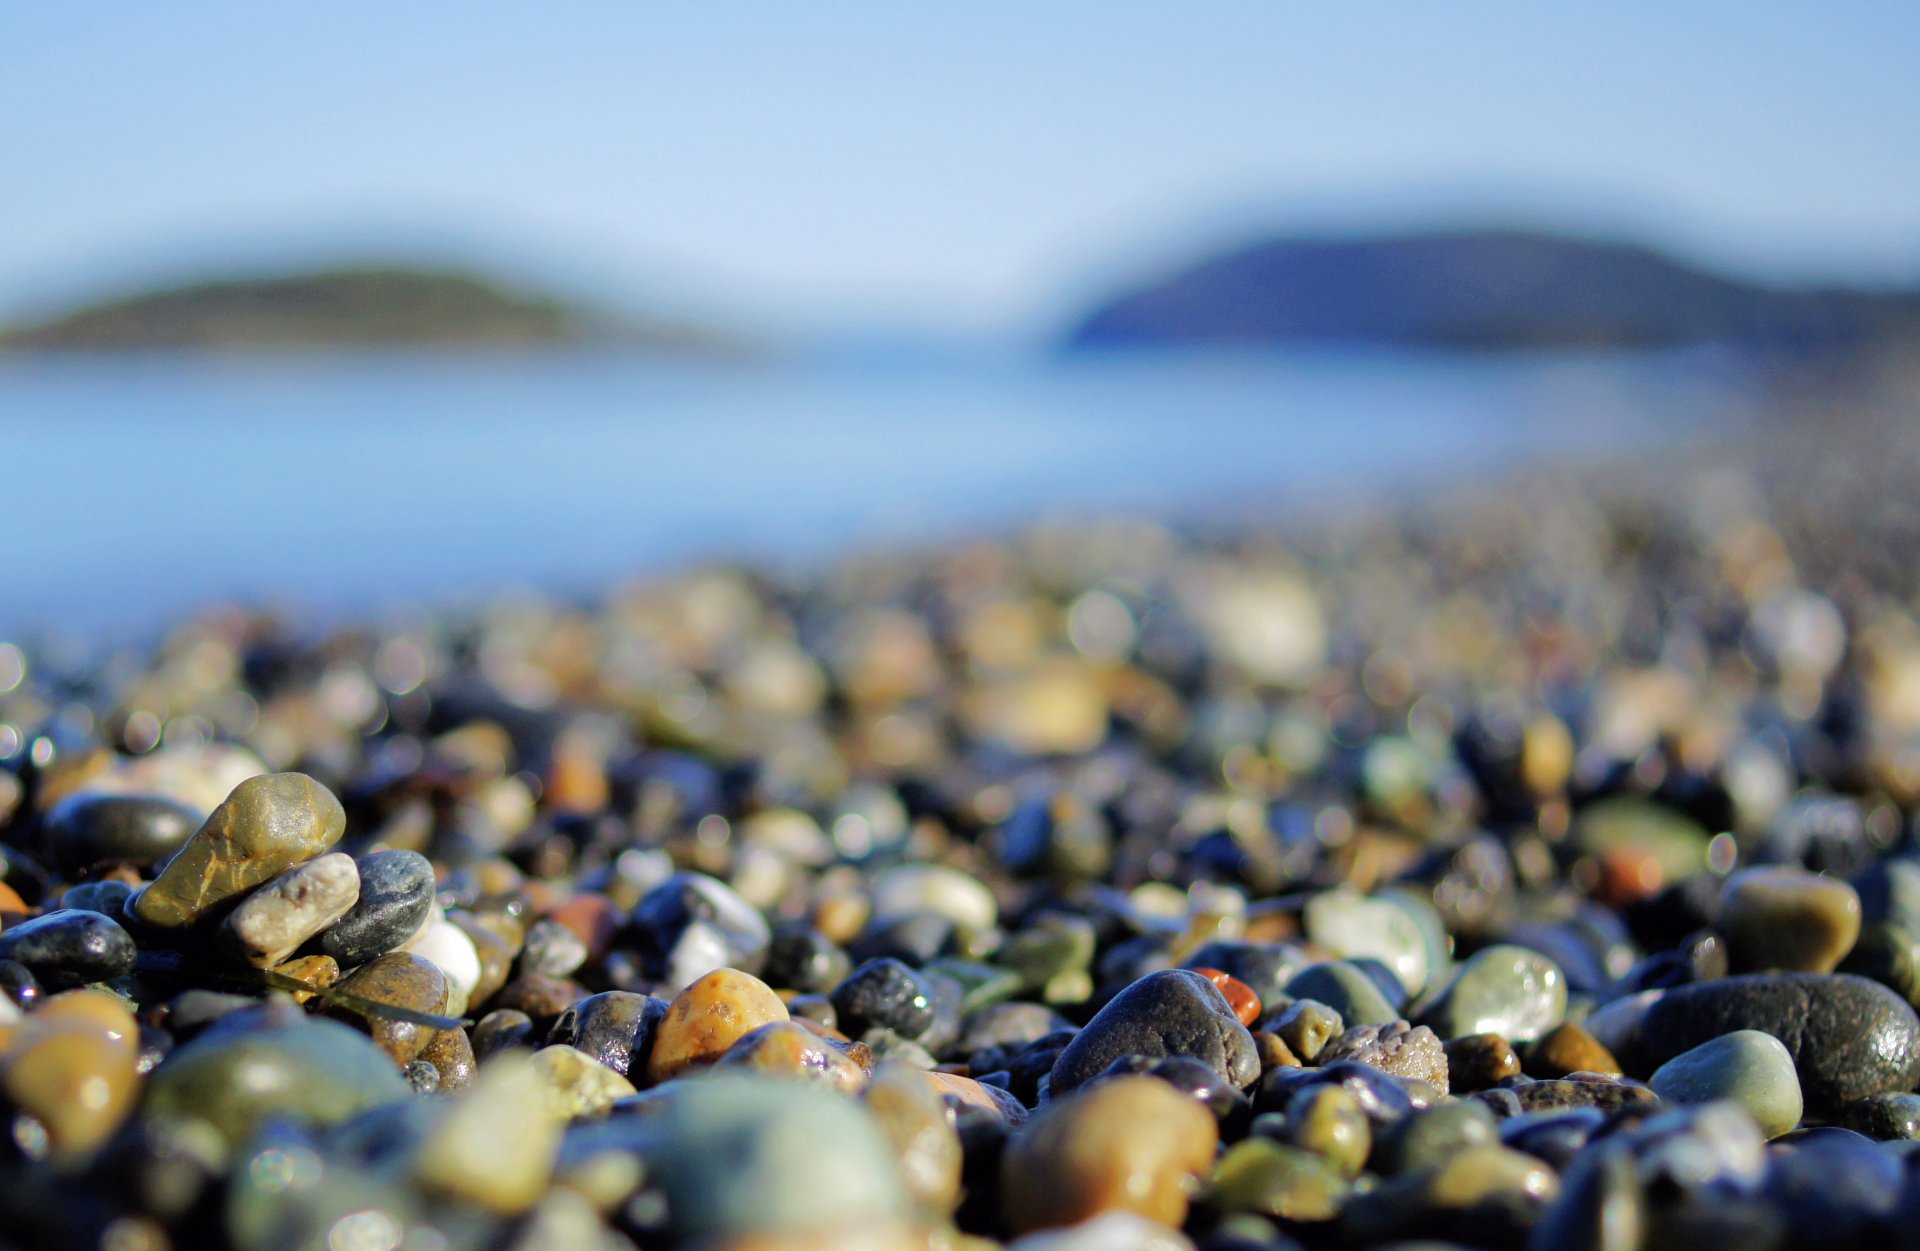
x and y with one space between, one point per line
1753 1069
1478 1061
966 1093
1568 1048
708 1017
1428 1138
267 825
1007 1024
914 1121
72 1067
953 893
1306 1026
1884 1118
577 1084
800 957
1602 1206
448 948
615 1027
885 994
1264 967
1778 917
450 1052
71 947
1561 1093
789 1049
1352 926
396 898
1384 1098
495 1145
1346 989
693 924
1174 1012
502 1030
90 829
321 972
1129 1144
1329 1121
550 949
1506 990
1397 1048
1849 1037
1274 1179
272 1061
402 980
276 918
735 1156
1110 1231
108 898
495 953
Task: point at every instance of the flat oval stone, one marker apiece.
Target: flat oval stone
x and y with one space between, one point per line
90 829
1849 1037
1131 1144
71 947
1779 917
273 1061
1506 990
615 1027
268 824
401 980
396 896
1751 1068
278 917
1174 1012
1346 989
1350 925
736 1155
707 1018
1569 1048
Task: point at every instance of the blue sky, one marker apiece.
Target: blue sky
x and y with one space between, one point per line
981 165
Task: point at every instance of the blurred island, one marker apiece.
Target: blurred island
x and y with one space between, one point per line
1488 290
355 307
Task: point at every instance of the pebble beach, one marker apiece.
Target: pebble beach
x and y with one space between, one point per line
1529 867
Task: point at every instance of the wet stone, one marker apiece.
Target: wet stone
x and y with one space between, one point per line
70 948
1751 1068
401 980
800 957
450 1052
1329 1121
1278 1180
707 1018
1884 1118
885 994
1427 1139
501 1030
1505 990
395 899
1787 918
272 922
495 1147
576 1083
694 924
789 1049
89 830
1172 1012
1306 1026
1561 1093
108 898
615 1027
1400 1049
1568 1048
267 825
1265 968
914 1121
1477 1061
551 949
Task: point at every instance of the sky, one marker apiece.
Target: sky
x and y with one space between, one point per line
978 165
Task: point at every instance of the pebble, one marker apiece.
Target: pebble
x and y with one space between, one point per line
1565 1049
1329 1121
914 1121
949 892
1172 1012
615 1027
1306 1026
495 1146
267 825
448 948
271 923
1505 990
1477 1061
1753 1069
885 994
1780 917
72 1067
789 1049
1349 925
400 980
708 1017
1849 1038
91 830
576 1084
1344 988
395 900
1129 1144
1397 1048
71 947
1274 1179
694 924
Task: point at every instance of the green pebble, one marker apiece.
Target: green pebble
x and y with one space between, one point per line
1346 990
1272 1179
1329 1121
1753 1069
1505 990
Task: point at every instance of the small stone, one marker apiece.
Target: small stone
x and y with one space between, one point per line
278 917
1475 1175
1559 1094
267 825
1306 1026
1780 917
396 898
1567 1048
542 998
89 830
1753 1069
107 897
71 947
1130 1144
693 924
707 1018
801 958
789 1049
273 1061
914 1120
1505 990
1349 925
1884 1118
447 947
1273 1179
1477 1061
1112 1231
615 1027
954 894
496 1144
1849 1037
400 980
550 949
321 972
1172 1012
1346 989
1400 1049
495 953
1427 1139
964 1092
71 1066
1329 1121
576 1083
1602 1206
450 1052
1274 1052
501 1031
885 994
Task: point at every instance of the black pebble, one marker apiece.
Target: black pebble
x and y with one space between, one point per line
887 994
71 947
396 893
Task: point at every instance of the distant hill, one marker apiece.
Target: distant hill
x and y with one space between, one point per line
348 307
1483 290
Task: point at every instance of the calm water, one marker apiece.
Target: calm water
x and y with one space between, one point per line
136 489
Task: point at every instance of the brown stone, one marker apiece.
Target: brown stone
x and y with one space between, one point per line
402 980
1566 1049
915 1122
1479 1061
496 954
785 1049
451 1052
268 824
707 1018
319 971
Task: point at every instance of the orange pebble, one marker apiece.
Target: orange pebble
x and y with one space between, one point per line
1239 995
